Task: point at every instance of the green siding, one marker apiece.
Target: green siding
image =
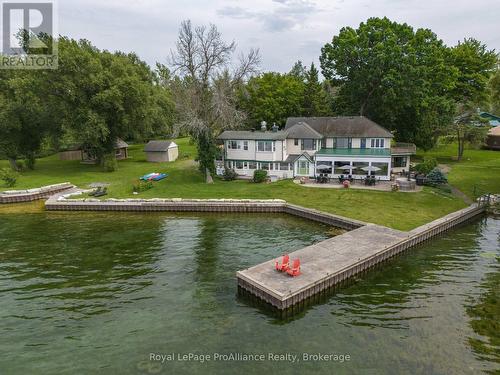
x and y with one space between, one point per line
371 152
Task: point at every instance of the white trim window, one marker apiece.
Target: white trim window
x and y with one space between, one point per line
266 146
245 145
377 143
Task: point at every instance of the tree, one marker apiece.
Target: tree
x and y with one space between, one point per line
315 99
475 65
106 96
299 71
272 97
393 74
494 86
205 94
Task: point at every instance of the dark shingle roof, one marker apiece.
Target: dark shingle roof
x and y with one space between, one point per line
157 146
255 135
120 143
355 126
302 130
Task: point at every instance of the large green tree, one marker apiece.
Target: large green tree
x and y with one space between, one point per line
106 96
393 74
315 98
475 65
272 97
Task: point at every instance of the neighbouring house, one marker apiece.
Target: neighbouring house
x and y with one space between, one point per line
493 138
312 145
76 152
161 151
492 119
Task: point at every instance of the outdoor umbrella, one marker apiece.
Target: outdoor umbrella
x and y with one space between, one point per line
323 166
370 168
346 167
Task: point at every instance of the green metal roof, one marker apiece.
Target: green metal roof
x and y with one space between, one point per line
370 152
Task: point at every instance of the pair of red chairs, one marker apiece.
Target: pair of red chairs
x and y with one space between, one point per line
284 266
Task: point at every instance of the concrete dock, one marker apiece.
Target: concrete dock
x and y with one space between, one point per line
328 263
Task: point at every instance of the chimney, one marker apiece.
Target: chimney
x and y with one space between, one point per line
263 126
275 128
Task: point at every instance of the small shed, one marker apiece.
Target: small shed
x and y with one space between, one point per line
76 152
161 151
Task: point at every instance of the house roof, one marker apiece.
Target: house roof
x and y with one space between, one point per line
252 135
159 146
120 143
302 130
353 126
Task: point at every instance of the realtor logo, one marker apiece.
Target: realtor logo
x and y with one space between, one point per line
27 36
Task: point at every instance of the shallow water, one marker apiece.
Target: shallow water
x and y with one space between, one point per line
95 293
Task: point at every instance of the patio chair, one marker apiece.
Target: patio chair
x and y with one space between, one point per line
295 270
95 191
341 178
103 192
285 264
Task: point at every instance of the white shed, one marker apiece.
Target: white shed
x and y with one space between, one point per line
161 151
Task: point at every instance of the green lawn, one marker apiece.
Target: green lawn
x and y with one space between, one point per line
397 210
476 174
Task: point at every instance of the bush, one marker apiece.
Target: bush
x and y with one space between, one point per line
436 177
109 163
426 166
185 155
8 176
259 176
142 186
20 165
229 174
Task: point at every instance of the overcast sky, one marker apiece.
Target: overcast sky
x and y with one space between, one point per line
284 30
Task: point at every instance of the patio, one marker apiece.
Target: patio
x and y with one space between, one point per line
334 183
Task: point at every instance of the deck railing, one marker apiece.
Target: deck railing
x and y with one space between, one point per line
403 148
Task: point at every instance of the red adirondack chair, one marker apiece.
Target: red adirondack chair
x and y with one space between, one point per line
295 270
285 263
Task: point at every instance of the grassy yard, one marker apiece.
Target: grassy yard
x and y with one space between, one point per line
476 174
397 210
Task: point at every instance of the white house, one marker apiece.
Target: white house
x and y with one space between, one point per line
337 145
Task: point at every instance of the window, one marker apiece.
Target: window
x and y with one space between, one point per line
252 165
323 143
265 146
303 167
296 142
377 143
343 142
363 143
400 162
264 166
383 169
308 144
337 167
245 145
358 168
321 167
284 166
239 165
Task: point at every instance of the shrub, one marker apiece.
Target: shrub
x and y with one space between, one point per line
436 177
185 155
109 163
8 176
259 175
142 186
229 174
20 165
426 166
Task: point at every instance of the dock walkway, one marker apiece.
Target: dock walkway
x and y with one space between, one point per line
334 260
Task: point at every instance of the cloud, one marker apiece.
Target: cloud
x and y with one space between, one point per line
285 15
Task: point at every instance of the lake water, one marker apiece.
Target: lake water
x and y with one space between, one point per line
92 293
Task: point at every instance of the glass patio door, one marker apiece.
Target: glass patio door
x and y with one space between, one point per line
303 167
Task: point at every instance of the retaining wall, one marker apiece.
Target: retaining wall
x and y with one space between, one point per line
16 196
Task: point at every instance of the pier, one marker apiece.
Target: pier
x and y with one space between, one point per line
330 262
